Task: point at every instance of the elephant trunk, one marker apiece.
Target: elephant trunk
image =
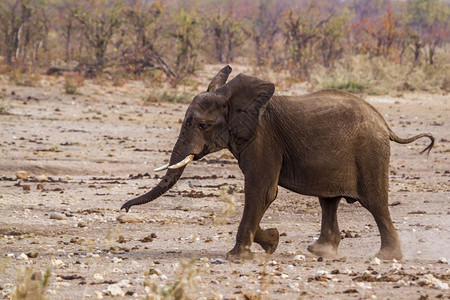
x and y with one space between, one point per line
166 183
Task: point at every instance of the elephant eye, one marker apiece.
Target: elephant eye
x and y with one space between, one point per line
202 126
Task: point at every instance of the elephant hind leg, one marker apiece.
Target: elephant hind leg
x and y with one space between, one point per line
328 242
390 242
268 239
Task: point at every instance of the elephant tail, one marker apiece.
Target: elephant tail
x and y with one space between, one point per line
393 137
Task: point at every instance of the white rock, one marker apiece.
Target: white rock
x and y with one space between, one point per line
22 175
124 283
163 277
114 290
22 256
57 216
441 286
219 261
375 261
396 266
272 263
57 263
443 260
98 295
98 276
284 276
366 286
11 255
299 257
117 260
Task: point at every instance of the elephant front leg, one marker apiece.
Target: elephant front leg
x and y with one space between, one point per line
328 242
257 199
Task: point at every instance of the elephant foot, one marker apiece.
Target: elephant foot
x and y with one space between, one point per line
323 249
268 239
240 253
390 253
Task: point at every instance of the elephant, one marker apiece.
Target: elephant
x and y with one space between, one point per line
328 144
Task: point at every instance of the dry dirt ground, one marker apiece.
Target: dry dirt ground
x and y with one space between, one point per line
99 148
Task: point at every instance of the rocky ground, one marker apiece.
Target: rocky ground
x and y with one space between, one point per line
62 234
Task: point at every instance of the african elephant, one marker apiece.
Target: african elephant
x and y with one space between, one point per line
329 144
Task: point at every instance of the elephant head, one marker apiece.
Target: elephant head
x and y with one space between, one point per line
225 116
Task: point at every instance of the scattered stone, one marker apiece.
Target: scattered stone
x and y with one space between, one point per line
41 178
147 239
40 186
32 254
128 218
366 276
57 263
375 261
154 271
58 216
351 291
396 266
11 255
322 275
22 256
299 257
98 295
81 225
117 260
98 277
114 290
22 175
124 283
443 260
218 261
365 286
430 280
26 187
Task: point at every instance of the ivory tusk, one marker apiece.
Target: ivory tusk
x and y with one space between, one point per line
161 168
182 163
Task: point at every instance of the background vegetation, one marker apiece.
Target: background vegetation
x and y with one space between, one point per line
375 46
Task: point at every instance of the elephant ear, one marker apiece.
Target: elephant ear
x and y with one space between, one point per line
247 97
220 79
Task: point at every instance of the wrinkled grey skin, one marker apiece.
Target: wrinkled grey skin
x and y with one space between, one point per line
328 144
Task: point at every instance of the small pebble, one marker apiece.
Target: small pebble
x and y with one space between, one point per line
22 175
32 254
41 178
443 260
299 257
22 256
128 218
218 261
114 290
57 216
375 261
57 263
98 295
